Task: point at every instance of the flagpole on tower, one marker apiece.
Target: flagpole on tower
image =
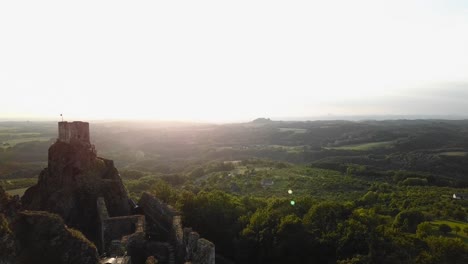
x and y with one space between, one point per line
61 116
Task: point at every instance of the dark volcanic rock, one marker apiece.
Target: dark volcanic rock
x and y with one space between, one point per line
72 182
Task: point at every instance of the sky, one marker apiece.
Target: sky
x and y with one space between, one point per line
232 60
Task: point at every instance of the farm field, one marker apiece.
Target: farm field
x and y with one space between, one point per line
13 142
295 130
365 146
454 153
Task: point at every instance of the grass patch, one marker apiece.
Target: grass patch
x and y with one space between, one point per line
453 223
295 130
16 135
16 184
289 149
365 146
13 142
453 153
19 192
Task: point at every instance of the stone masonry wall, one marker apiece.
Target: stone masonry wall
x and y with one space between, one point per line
188 246
197 250
74 132
115 228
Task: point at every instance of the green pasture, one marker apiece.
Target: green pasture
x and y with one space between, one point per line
19 191
16 184
295 130
453 153
13 142
365 146
290 149
453 223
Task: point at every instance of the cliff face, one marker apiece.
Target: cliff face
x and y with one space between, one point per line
72 182
43 237
39 237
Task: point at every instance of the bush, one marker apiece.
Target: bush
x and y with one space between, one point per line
445 229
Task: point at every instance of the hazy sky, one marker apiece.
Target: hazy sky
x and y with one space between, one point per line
232 60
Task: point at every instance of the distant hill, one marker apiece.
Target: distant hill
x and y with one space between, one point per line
262 120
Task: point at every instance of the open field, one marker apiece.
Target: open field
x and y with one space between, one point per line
15 184
295 130
289 149
13 142
19 191
365 146
452 223
16 135
454 153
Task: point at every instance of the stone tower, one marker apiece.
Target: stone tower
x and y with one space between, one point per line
74 179
76 131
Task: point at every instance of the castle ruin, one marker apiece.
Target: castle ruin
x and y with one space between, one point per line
88 193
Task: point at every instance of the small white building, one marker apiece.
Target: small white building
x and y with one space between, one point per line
460 196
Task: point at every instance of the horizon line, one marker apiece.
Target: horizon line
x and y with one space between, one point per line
329 117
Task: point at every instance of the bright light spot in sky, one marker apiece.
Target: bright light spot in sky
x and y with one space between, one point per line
229 61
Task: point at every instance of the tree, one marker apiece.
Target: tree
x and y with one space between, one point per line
197 173
445 229
163 191
457 229
324 217
444 250
294 244
407 221
465 230
424 229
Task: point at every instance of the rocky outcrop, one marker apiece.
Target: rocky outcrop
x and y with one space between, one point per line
85 192
197 250
39 237
72 182
43 237
9 206
7 242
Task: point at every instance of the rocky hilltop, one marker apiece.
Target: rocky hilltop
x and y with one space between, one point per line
81 192
74 179
39 237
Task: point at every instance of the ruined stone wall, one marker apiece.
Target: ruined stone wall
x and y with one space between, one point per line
177 238
115 228
197 250
187 245
159 217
